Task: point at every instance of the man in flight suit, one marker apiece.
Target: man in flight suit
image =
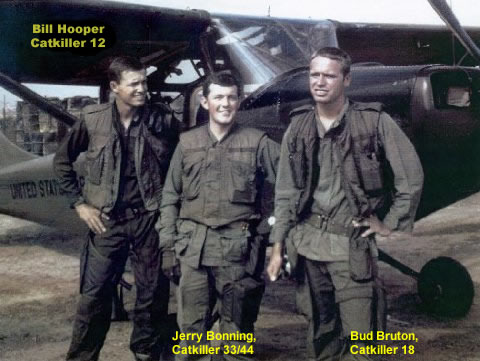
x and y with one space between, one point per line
128 145
331 199
210 209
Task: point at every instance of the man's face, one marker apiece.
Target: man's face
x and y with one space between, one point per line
131 90
327 82
222 103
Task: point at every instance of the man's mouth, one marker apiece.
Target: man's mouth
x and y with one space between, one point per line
320 91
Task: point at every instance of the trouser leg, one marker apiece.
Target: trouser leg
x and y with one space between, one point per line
194 309
102 264
150 328
323 338
225 277
354 300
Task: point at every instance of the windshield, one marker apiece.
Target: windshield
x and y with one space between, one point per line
260 50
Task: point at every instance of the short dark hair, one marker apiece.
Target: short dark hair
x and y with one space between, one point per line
335 54
223 78
123 63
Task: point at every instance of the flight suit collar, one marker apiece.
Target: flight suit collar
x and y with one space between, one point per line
214 141
321 129
118 124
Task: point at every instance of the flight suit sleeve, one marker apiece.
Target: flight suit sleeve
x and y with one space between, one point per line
171 199
267 157
285 194
74 143
165 128
407 172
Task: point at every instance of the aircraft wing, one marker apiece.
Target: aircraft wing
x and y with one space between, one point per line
395 44
162 37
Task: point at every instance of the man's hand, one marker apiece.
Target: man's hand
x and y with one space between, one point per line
276 260
91 216
374 226
171 266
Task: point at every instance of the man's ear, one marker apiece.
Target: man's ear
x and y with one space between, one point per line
347 80
113 86
204 102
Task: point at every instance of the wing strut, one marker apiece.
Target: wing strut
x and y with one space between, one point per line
444 11
23 92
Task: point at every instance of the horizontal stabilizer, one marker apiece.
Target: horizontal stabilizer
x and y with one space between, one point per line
11 153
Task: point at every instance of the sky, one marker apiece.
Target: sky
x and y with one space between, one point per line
368 11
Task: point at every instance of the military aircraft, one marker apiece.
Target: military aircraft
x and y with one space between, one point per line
427 83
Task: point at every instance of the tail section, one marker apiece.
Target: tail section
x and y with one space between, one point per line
11 153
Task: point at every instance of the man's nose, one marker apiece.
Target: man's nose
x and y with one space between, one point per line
225 102
321 80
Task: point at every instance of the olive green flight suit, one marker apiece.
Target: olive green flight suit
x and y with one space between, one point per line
210 207
325 180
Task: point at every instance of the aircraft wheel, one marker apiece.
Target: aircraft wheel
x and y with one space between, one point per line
445 287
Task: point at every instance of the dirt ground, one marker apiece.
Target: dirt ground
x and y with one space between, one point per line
39 281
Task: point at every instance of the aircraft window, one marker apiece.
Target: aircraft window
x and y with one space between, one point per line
197 113
175 101
458 96
451 90
184 73
151 69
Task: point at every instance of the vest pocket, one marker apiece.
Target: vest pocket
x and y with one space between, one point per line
241 182
192 167
95 159
372 178
298 166
368 160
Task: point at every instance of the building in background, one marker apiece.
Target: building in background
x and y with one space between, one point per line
38 132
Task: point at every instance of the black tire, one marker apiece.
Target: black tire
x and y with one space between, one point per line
445 288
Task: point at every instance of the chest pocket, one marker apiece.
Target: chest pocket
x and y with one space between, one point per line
241 177
193 164
96 158
368 159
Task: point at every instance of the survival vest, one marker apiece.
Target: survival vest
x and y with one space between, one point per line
360 152
103 159
220 183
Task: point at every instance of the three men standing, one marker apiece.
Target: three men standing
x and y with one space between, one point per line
331 199
210 209
128 144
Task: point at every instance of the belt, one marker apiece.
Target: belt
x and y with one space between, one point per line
125 214
322 221
244 225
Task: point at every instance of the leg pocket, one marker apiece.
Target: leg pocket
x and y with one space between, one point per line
185 231
360 260
234 249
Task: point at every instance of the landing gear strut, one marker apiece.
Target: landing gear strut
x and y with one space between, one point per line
444 285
